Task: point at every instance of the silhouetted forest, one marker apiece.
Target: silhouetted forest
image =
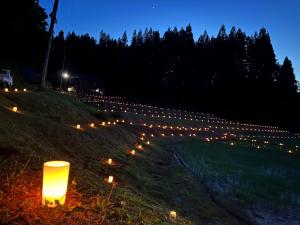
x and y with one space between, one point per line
231 74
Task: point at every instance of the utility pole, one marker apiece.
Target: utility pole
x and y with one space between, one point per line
51 28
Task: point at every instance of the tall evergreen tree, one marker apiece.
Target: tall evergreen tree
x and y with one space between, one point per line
286 80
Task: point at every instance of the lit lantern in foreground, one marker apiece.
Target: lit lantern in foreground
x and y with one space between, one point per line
15 109
55 182
110 179
173 215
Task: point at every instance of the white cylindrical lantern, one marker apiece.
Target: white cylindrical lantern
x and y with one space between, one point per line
173 214
110 179
55 182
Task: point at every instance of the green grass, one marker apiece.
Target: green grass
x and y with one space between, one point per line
42 131
267 175
150 184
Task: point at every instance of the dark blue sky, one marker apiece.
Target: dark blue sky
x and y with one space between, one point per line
280 17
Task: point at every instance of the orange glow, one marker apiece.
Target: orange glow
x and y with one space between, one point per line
92 125
55 182
6 90
109 161
78 126
15 109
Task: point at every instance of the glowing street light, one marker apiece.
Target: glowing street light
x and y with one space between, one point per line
65 76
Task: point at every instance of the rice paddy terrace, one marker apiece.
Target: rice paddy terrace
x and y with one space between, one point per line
139 164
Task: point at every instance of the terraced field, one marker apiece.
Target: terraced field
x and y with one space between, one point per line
209 170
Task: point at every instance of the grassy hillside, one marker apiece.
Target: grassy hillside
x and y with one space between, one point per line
148 185
43 130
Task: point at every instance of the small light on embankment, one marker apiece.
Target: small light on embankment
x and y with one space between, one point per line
16 89
92 125
109 161
173 215
132 152
78 126
55 183
15 109
25 90
6 90
110 179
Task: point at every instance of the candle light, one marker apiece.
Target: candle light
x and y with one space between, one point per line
55 182
173 215
132 152
110 179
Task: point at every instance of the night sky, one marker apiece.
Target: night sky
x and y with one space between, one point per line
280 17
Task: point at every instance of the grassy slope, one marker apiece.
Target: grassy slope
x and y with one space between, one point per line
43 131
148 186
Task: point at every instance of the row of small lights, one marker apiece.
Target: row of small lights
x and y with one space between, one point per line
66 165
97 98
217 120
140 147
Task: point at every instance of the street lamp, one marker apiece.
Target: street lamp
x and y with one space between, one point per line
64 75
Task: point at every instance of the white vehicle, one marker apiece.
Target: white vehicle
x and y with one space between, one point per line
6 77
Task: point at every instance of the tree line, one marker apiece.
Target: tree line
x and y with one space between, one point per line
231 74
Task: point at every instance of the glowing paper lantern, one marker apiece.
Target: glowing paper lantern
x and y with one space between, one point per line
173 215
132 152
55 182
15 109
110 179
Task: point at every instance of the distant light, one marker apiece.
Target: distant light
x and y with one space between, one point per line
24 89
16 89
109 161
15 109
92 125
6 90
66 75
110 179
78 126
173 215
